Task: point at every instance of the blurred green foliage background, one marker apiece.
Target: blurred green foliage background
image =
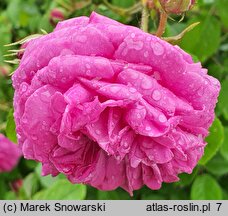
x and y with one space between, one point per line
208 42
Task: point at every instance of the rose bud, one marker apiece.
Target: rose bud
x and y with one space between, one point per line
16 185
177 6
56 15
4 70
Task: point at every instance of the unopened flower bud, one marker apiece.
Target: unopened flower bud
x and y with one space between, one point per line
177 6
56 15
4 70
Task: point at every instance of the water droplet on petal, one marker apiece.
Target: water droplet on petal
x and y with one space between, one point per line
148 128
45 96
115 116
138 116
63 80
118 158
23 88
132 35
34 137
162 118
38 63
137 45
98 132
24 120
158 49
32 73
146 84
132 90
66 169
124 52
114 89
88 66
156 95
181 141
125 144
146 54
52 74
88 72
148 38
134 75
200 92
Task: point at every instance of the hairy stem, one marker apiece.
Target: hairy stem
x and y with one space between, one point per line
162 23
145 16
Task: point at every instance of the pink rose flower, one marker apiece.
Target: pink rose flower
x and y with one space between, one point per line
112 106
9 154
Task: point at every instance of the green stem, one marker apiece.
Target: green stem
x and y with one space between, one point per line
144 19
124 11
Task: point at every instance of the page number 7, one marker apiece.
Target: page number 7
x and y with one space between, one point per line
218 206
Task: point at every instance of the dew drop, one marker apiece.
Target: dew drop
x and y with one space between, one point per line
22 74
63 80
125 51
132 90
146 54
115 116
53 130
148 128
34 137
88 66
151 134
45 96
134 75
156 95
38 64
52 74
158 49
33 73
24 120
138 45
24 88
200 136
98 132
66 169
118 158
88 72
146 84
133 35
200 92
114 89
138 116
125 144
162 118
148 38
